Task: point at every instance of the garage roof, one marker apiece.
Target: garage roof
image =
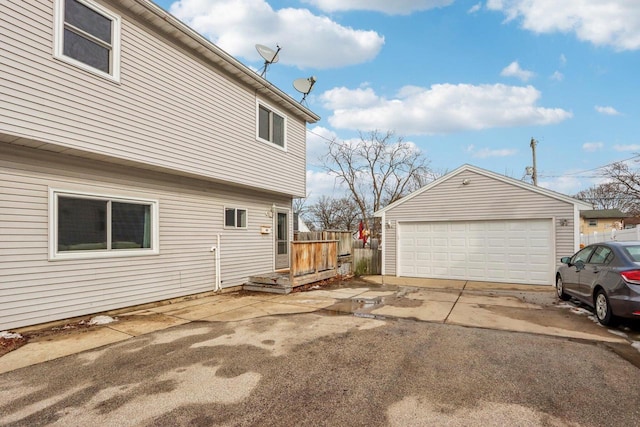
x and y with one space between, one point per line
581 205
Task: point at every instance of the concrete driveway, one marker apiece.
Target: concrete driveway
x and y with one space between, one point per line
402 352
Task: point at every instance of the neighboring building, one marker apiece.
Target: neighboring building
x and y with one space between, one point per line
473 224
129 144
601 220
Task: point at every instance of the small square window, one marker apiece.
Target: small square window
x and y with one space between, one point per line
235 218
593 223
271 126
88 36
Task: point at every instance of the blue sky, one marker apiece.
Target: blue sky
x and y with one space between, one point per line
466 81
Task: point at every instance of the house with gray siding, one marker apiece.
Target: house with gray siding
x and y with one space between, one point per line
138 161
474 224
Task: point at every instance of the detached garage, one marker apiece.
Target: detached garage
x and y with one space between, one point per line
473 224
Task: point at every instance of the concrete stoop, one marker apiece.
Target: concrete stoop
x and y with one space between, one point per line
277 283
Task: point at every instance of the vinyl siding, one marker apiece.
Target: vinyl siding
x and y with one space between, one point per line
191 214
171 110
484 198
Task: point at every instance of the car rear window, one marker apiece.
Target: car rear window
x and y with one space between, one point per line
634 252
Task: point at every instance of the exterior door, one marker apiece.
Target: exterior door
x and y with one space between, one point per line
282 239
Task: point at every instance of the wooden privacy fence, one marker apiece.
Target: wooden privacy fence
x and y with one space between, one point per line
312 261
367 261
353 259
344 239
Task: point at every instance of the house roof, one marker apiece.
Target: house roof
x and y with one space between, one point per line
152 14
602 213
464 168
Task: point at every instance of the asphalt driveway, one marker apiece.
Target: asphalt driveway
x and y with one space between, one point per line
354 354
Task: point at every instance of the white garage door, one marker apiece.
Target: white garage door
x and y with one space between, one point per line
515 251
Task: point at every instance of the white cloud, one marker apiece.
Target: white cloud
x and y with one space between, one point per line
628 147
514 70
307 40
475 8
484 153
613 23
396 7
317 140
557 76
592 146
563 60
341 97
564 184
609 111
321 183
442 108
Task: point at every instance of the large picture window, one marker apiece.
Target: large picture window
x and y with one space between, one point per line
271 126
88 35
85 225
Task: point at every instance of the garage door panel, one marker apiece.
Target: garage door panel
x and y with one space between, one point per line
477 257
440 243
517 251
457 242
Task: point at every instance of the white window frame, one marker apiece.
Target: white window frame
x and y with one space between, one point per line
235 216
55 255
284 124
115 42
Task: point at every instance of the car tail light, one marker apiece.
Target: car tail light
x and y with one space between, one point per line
631 276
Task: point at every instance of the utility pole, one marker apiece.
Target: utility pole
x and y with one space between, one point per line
534 175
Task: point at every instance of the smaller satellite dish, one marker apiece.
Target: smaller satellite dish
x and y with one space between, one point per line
304 86
269 55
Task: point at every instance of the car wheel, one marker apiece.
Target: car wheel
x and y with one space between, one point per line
560 289
603 308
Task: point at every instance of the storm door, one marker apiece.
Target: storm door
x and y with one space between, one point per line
282 240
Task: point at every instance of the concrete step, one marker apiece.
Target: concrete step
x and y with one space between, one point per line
264 287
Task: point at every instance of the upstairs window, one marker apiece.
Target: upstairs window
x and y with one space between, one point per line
593 223
88 36
271 126
235 218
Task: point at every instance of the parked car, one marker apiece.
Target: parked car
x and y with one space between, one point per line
605 276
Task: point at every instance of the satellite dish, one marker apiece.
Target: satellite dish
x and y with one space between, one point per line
304 86
269 55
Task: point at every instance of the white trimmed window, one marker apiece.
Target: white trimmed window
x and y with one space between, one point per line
93 226
235 218
88 36
271 126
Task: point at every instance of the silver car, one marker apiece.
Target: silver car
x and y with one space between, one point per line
605 276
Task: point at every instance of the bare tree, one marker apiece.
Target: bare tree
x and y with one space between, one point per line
623 189
299 205
378 169
606 196
334 214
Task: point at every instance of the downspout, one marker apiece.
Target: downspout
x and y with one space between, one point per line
216 251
